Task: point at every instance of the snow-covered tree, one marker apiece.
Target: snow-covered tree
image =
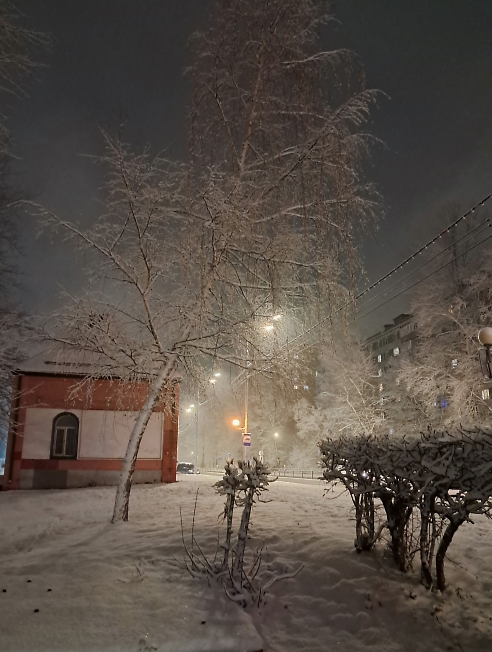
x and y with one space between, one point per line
18 49
348 384
443 374
187 260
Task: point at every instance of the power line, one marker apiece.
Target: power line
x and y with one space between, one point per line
394 270
466 236
425 278
419 251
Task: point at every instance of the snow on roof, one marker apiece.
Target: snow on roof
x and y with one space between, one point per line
68 361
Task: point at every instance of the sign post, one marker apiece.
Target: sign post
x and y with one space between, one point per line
246 445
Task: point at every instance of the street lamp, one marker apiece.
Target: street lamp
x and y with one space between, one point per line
485 338
275 437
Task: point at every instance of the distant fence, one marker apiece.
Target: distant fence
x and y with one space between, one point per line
295 473
313 474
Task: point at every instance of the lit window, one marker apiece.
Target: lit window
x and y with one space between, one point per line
454 363
380 387
380 372
485 394
379 358
396 350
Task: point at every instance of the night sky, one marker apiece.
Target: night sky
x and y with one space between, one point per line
114 59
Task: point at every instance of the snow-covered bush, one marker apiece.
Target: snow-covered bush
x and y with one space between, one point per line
242 485
434 482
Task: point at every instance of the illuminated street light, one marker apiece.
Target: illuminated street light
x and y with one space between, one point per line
275 437
188 409
217 374
236 423
270 327
485 336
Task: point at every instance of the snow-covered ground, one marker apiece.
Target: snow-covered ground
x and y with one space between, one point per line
69 580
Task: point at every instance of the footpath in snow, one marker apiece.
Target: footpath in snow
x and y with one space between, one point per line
71 581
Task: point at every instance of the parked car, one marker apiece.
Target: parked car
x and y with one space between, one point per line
185 467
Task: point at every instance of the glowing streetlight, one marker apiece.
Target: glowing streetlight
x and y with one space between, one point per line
188 409
236 423
217 375
270 327
275 437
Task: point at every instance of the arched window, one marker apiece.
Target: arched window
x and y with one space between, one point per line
65 437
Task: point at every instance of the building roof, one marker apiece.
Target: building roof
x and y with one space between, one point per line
397 321
65 361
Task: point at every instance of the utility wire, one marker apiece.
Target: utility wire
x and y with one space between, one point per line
466 236
419 251
391 272
424 279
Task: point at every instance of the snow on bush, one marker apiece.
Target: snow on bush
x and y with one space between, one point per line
242 485
428 487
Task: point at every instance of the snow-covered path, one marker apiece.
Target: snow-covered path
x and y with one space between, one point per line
103 587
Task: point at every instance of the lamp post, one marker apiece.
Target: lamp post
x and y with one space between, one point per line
275 436
485 338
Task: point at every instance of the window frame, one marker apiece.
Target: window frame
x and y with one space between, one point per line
56 456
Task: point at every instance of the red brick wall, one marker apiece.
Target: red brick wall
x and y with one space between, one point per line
77 394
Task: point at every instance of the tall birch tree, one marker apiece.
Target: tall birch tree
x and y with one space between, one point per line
187 259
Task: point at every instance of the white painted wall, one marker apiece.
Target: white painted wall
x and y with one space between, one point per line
105 435
102 434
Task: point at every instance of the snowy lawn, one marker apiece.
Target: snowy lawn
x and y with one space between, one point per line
70 580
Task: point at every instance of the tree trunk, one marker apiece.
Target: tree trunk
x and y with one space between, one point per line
364 522
397 515
120 512
427 537
448 535
227 545
237 569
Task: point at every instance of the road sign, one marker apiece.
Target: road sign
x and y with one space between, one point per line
246 439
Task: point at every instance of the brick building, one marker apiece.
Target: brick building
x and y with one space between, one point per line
68 431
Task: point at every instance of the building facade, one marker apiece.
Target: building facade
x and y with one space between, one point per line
68 431
395 339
